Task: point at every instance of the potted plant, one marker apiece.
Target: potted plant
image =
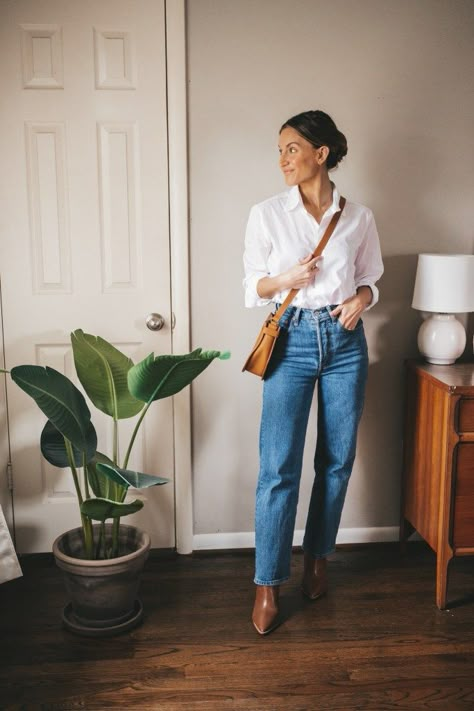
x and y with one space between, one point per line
101 561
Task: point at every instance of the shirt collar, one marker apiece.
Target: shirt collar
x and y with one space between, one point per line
294 200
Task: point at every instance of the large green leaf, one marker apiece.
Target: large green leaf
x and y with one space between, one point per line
53 447
127 477
102 370
163 376
59 399
102 509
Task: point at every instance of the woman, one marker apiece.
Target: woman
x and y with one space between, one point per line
321 342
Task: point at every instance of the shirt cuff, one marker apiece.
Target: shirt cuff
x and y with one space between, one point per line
375 294
251 296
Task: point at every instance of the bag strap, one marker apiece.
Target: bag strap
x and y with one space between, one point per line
321 245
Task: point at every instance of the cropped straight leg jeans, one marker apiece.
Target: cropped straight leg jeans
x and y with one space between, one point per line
313 349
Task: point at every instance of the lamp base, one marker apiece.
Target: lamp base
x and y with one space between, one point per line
441 361
441 339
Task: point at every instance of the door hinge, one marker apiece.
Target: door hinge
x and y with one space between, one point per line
10 476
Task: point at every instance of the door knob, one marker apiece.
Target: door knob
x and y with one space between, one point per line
155 322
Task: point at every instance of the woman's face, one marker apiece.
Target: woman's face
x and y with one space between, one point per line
300 161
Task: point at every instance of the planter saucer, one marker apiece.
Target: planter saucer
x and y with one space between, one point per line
73 625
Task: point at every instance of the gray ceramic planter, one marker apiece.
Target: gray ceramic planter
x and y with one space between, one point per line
103 593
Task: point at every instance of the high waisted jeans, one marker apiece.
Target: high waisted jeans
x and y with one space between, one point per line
313 348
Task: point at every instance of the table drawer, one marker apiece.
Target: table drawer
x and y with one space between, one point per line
466 415
463 524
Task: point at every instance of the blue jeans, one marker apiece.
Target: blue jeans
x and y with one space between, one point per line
313 348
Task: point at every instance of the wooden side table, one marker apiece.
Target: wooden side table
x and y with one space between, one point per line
438 462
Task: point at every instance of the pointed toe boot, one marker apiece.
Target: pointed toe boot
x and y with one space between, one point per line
265 615
315 583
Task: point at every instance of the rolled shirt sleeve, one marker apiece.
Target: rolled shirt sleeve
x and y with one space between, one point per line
368 263
257 251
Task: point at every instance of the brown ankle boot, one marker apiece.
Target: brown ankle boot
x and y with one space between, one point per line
315 582
265 610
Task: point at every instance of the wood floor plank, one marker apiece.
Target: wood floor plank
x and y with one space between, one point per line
376 642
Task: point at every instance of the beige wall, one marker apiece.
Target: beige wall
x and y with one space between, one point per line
396 75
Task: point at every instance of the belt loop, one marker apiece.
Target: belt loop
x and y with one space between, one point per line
297 316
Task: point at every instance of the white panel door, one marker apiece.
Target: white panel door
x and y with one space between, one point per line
84 225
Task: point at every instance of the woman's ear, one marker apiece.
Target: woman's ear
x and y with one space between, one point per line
321 154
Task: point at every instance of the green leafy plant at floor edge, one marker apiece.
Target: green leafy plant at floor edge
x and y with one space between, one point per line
120 389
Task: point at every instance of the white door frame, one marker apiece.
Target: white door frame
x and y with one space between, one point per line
6 501
179 257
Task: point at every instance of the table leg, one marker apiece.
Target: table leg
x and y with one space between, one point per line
443 560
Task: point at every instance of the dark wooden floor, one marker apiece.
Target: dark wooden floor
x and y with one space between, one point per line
377 641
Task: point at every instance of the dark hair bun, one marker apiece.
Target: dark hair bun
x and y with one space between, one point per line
337 151
320 130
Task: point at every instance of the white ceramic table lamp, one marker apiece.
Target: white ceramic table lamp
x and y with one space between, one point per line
444 285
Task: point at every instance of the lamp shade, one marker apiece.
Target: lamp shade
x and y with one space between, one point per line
444 283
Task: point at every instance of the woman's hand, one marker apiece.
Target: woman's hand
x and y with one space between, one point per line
350 310
302 274
299 276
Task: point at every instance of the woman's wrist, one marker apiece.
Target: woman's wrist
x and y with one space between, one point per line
365 295
267 287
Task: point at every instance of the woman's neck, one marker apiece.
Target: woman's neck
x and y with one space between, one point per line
317 195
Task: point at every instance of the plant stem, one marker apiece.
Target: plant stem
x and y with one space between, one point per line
115 538
86 522
134 434
125 464
86 478
101 541
70 458
115 443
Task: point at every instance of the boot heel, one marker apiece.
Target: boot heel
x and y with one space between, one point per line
315 582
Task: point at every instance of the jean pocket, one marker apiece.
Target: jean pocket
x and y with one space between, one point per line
349 330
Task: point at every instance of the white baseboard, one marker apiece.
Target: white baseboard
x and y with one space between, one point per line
227 541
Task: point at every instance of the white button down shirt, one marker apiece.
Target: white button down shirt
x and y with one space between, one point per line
280 231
